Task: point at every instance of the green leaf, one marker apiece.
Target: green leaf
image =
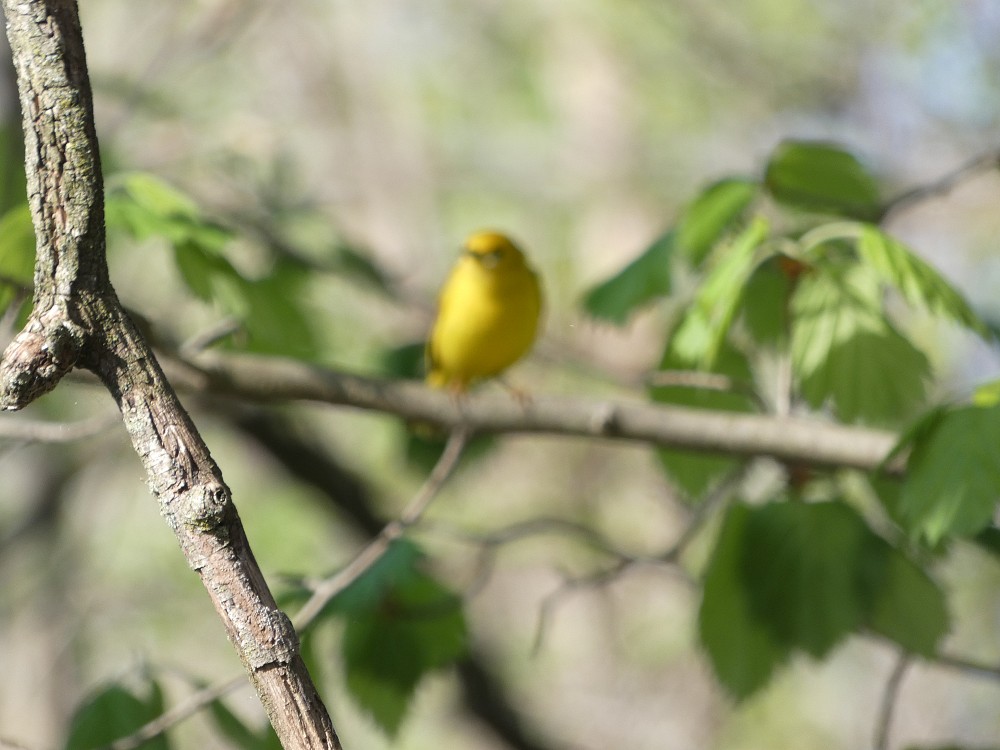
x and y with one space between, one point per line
146 206
112 713
707 322
357 265
694 473
275 319
203 271
401 625
918 429
238 733
416 627
953 477
13 188
843 349
790 576
808 569
744 652
822 177
766 297
910 608
396 566
989 540
713 213
405 361
17 252
918 282
645 279
987 394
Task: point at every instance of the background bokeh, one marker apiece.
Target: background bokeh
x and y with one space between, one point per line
394 129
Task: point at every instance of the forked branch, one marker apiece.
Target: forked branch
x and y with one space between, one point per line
77 321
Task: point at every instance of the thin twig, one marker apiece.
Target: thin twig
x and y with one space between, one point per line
35 431
202 341
373 551
569 585
183 710
946 183
990 671
883 725
490 543
625 562
703 510
322 594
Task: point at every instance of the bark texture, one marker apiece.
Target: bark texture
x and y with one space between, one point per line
77 321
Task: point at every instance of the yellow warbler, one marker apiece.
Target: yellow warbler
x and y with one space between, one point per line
488 313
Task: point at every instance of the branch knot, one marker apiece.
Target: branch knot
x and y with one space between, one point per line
36 361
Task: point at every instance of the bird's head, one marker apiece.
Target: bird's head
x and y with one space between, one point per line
492 250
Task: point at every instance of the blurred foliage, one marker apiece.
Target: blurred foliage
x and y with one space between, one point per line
303 173
116 712
801 576
400 624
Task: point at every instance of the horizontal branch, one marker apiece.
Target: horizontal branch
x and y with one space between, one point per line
788 439
37 431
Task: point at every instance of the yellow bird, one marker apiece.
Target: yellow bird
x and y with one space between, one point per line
488 313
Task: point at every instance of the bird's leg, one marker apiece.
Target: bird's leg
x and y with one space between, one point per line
518 394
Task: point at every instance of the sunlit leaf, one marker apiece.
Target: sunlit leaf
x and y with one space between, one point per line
696 472
713 213
953 477
707 321
822 177
645 279
270 307
988 394
918 282
846 353
146 206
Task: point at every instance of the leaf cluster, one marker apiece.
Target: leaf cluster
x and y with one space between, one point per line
791 306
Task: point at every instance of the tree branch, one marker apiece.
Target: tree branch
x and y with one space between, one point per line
77 321
883 724
988 160
35 431
794 440
377 547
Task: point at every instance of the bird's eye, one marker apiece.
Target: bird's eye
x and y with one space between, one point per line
491 259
